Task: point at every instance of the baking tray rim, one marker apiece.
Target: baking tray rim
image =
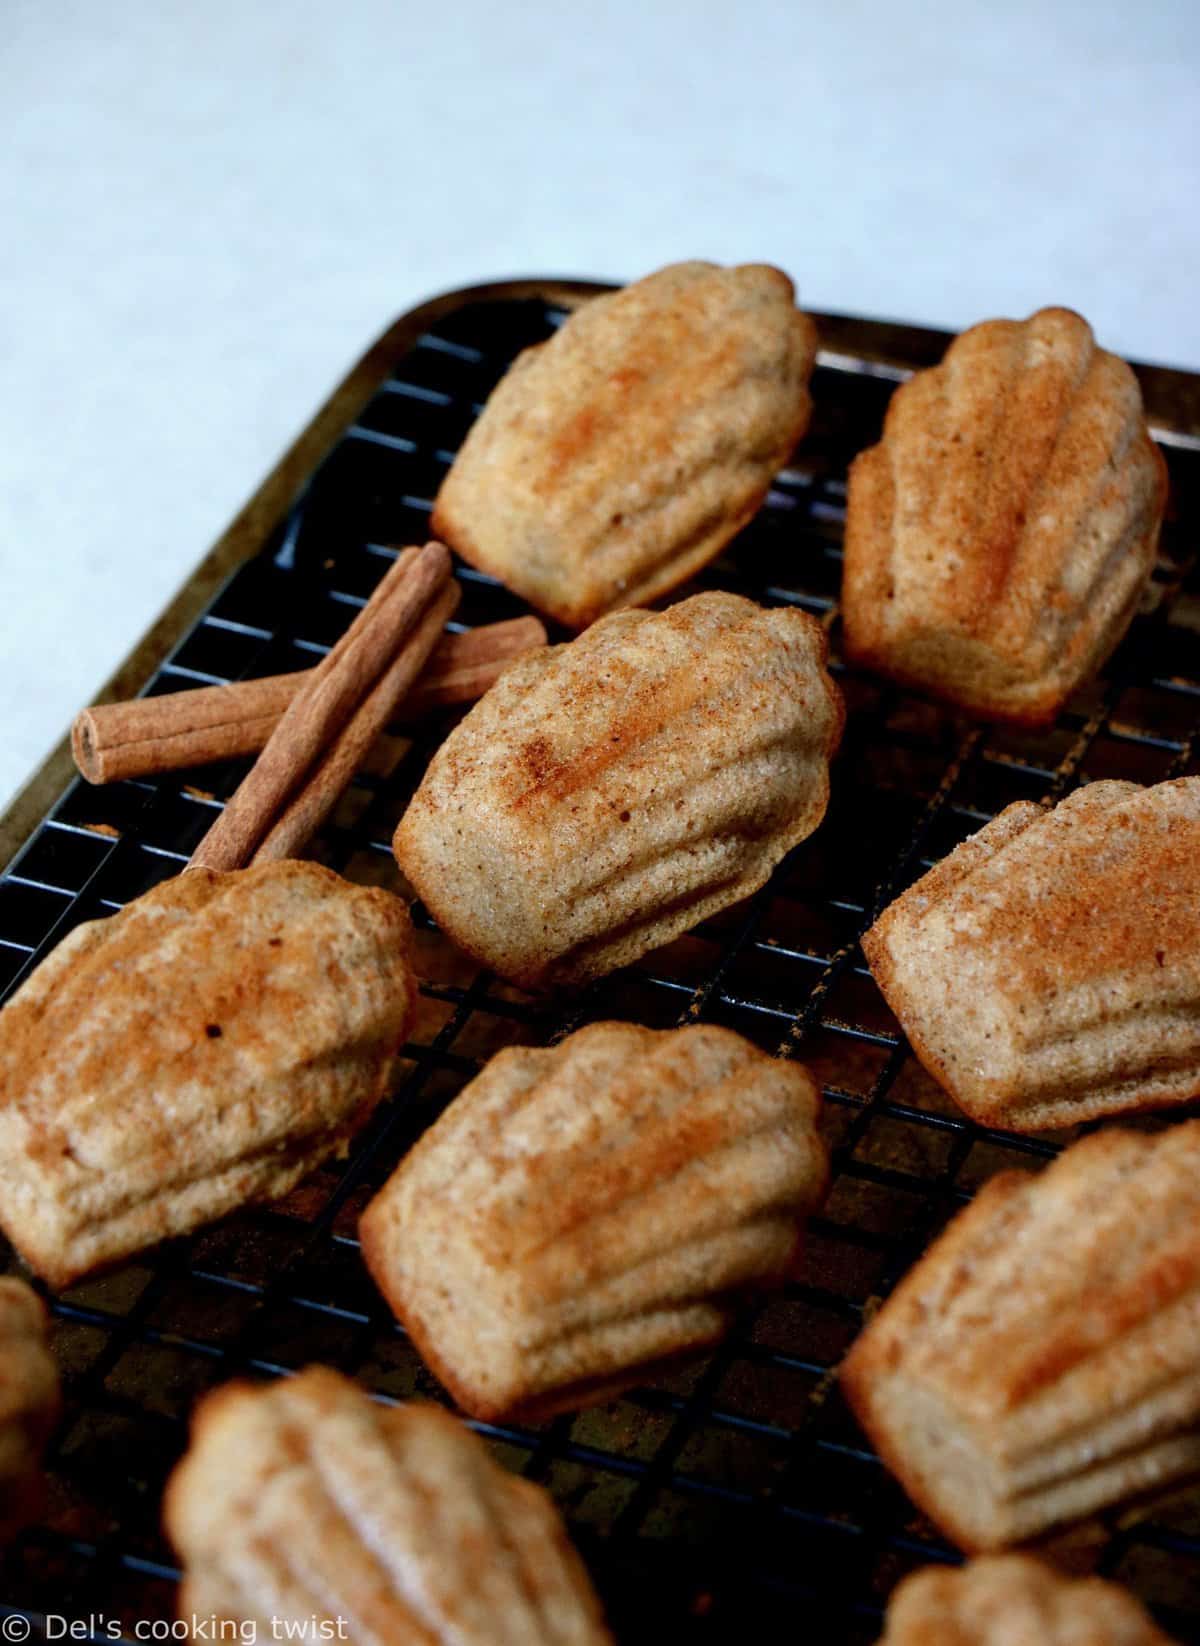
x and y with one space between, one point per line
893 349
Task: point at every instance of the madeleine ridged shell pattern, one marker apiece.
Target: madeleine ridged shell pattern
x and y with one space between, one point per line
999 537
1042 1360
29 1401
307 1504
583 1212
1048 970
618 458
205 1047
607 795
1014 1600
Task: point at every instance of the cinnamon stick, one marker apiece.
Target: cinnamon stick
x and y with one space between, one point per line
149 735
463 666
391 622
331 776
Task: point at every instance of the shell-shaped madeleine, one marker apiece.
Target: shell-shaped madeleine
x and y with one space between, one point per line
207 1046
584 1212
1042 1360
618 458
1048 970
607 795
999 537
29 1401
1014 1600
305 1505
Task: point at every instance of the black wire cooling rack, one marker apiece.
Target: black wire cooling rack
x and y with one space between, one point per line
737 1493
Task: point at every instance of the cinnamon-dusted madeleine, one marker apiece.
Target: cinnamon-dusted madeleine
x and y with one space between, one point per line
29 1401
1048 970
1014 1600
583 1212
608 795
999 537
1042 1360
303 1504
615 460
206 1047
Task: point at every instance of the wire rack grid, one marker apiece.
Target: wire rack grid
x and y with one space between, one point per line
737 1490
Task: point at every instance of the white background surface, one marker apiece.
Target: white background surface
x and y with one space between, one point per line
207 210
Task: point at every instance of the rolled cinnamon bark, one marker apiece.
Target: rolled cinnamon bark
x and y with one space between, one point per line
149 735
331 776
391 624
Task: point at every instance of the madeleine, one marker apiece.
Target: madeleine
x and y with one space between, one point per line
304 1504
584 1212
29 1402
1000 535
1042 1360
206 1047
618 458
1048 970
607 795
1014 1600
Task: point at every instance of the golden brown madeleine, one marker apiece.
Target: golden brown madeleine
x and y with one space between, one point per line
29 1402
1048 970
1042 1360
605 796
304 1500
618 458
206 1047
586 1211
1014 1600
999 537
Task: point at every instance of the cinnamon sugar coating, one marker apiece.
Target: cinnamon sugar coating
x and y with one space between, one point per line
607 795
1048 970
618 458
206 1047
1014 1600
1042 1360
585 1211
1000 535
304 1500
